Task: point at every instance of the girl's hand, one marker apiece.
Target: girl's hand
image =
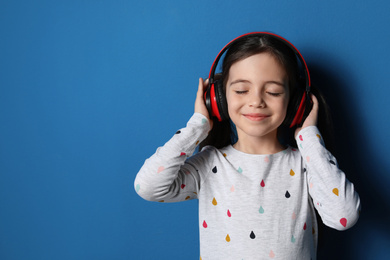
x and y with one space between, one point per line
200 106
311 119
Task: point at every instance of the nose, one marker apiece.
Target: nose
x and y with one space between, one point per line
257 100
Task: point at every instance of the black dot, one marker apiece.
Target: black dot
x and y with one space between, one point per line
252 235
287 195
332 162
178 132
215 169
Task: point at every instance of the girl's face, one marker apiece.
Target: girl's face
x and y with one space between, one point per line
257 95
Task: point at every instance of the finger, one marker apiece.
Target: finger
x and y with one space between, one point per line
315 101
312 117
200 88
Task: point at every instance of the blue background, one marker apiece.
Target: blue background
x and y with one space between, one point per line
90 89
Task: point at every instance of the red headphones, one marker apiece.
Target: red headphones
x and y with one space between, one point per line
215 98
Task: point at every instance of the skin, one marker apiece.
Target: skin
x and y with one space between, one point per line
257 96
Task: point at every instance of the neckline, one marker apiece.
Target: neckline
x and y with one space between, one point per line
284 151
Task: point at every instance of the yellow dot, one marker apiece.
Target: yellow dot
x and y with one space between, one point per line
197 142
214 202
188 197
336 191
292 173
319 136
161 201
227 238
224 155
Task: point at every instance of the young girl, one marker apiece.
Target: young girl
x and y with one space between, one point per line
256 192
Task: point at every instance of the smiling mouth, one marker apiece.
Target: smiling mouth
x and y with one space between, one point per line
256 117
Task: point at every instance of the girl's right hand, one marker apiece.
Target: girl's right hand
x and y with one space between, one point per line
200 105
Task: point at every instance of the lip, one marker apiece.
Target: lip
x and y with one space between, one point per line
256 116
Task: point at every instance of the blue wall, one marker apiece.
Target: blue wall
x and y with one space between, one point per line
89 89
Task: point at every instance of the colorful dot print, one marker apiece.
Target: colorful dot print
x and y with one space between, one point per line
269 194
293 239
204 224
261 210
343 222
227 238
229 214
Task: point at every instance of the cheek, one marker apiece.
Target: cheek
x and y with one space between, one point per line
284 107
232 102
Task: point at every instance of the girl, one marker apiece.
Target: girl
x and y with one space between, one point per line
257 192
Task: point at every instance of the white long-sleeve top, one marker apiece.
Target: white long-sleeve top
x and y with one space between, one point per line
252 206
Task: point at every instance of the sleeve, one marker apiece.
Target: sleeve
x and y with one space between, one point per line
333 194
167 176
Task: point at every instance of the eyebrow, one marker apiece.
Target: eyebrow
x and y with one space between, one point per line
247 81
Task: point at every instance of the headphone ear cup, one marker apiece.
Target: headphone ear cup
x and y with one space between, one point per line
221 100
207 100
293 106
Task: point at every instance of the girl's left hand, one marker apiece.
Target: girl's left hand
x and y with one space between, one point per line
311 119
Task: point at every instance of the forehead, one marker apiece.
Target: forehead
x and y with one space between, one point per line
263 65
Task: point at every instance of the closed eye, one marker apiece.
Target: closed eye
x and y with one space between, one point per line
240 92
275 94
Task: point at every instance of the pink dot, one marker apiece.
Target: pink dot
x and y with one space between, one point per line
343 222
204 224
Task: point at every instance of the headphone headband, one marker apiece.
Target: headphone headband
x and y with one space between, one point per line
286 42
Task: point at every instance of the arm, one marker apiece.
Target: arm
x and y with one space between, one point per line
167 176
333 195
